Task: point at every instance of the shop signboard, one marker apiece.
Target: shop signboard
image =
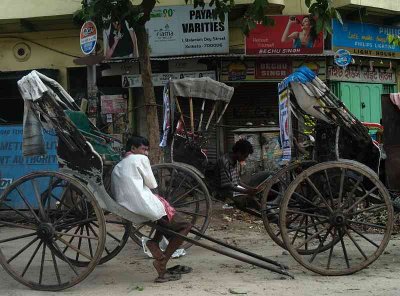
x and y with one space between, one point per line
172 30
256 70
342 58
361 74
365 39
88 37
272 69
184 30
113 104
14 165
285 126
286 36
161 79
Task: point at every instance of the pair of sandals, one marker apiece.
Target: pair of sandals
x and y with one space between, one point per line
174 273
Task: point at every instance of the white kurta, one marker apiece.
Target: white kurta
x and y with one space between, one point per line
131 181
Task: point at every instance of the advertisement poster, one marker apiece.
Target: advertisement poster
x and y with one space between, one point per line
364 39
183 30
119 41
88 37
113 104
289 35
285 126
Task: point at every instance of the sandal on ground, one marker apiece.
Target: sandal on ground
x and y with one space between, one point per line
168 277
179 269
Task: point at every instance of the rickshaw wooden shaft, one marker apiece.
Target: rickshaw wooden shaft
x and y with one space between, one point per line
281 270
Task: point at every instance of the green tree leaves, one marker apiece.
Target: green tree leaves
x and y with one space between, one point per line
394 39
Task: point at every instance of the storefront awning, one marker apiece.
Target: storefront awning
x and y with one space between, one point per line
223 56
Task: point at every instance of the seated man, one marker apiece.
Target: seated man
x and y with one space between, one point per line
132 180
228 169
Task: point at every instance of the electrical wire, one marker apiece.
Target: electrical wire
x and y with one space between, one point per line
39 44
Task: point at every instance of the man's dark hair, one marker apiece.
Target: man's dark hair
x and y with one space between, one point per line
243 146
136 141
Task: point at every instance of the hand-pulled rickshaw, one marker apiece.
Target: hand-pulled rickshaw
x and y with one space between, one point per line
331 211
335 215
55 227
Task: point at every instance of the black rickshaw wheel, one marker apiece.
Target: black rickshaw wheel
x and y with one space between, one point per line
343 214
273 194
40 231
186 192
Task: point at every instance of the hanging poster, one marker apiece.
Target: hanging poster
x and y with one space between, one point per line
289 35
113 104
285 125
119 40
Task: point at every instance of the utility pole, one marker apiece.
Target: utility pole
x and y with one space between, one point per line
91 78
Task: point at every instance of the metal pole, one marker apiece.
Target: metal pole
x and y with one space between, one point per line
91 77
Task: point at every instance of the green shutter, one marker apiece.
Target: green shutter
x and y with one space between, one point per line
363 100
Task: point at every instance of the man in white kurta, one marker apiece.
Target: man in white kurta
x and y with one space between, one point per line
131 182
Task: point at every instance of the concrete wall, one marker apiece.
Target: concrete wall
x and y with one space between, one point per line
43 51
392 5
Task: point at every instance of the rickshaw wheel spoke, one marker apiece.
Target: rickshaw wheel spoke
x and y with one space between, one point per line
273 193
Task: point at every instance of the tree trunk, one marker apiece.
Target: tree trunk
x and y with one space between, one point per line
149 96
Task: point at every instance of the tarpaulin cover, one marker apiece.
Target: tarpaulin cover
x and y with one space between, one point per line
302 75
204 87
33 87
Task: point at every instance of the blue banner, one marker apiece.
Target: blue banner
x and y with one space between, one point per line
14 165
365 39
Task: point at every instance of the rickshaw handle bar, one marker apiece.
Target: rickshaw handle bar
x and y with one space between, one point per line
282 269
239 250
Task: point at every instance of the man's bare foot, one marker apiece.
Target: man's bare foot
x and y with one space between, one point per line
155 250
160 266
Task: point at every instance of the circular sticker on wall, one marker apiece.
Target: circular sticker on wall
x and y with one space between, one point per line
88 37
342 58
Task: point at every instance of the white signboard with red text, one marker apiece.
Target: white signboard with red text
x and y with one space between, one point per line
358 74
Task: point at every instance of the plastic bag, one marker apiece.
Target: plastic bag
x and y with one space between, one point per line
163 245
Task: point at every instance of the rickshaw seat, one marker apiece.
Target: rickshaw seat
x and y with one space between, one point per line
100 141
80 120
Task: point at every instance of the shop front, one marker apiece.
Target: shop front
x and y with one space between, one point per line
271 54
183 42
361 87
372 71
